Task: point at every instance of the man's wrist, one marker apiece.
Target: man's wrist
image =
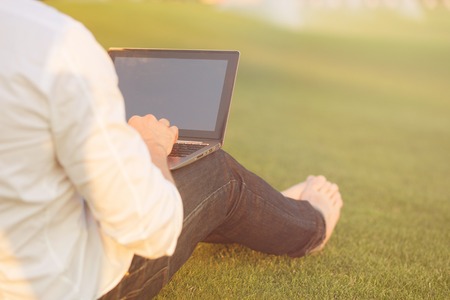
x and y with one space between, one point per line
159 156
156 149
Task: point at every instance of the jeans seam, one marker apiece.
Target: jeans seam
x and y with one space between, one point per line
313 223
205 200
137 291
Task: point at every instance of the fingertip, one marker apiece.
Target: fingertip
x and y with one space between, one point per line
132 119
164 121
150 117
175 130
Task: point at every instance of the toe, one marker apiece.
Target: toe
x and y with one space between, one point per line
337 199
326 188
318 182
334 189
310 178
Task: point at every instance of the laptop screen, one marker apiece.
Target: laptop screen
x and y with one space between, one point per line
190 88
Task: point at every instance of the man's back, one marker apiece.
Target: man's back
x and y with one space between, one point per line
36 195
79 195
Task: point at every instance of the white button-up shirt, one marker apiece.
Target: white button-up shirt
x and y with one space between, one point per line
79 195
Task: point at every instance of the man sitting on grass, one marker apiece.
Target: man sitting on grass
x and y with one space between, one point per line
88 206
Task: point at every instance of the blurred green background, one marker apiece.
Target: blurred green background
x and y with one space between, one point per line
361 96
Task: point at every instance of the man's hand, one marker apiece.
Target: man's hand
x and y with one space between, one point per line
159 137
157 134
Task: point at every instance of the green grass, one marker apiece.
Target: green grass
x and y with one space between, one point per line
363 99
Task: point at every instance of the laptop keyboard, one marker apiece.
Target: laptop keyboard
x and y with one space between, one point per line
185 149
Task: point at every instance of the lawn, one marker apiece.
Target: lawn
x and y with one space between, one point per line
361 98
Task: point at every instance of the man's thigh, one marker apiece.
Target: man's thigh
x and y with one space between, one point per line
205 188
203 180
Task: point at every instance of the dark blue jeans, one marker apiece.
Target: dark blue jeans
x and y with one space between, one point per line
225 203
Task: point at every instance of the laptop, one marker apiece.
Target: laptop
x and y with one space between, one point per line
190 88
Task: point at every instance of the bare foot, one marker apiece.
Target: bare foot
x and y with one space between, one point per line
323 196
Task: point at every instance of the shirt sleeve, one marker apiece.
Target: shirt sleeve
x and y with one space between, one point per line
106 159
